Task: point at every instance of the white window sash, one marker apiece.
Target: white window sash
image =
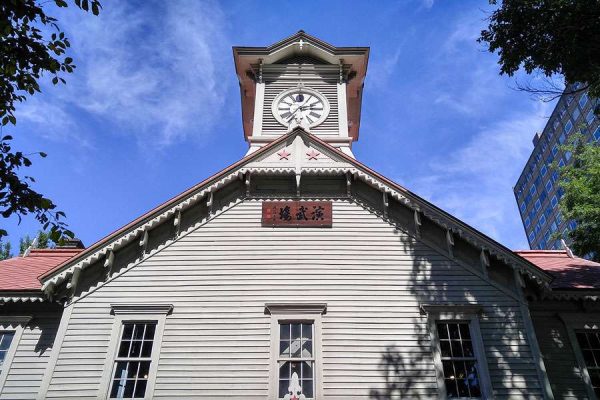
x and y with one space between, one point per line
458 313
283 313
134 313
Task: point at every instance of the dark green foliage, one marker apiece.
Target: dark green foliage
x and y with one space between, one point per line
31 46
551 36
581 201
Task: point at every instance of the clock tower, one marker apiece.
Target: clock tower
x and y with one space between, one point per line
303 82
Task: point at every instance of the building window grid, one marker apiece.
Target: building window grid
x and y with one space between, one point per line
459 361
132 364
6 338
296 355
589 343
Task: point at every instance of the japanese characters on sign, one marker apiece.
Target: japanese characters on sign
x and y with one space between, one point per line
297 213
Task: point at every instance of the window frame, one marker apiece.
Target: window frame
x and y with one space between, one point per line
457 313
14 324
577 322
286 313
124 313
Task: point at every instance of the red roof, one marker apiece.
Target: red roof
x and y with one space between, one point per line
21 273
569 272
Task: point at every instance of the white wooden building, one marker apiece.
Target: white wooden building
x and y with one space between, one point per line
295 273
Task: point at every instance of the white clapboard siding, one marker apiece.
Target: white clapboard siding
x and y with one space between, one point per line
31 357
564 373
216 343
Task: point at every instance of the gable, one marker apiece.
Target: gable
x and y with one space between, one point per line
301 162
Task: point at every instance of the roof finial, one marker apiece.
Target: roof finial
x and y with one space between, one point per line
567 249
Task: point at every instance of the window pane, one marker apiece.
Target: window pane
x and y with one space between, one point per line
307 349
284 349
468 348
140 389
445 348
5 340
138 331
150 328
456 349
284 384
284 331
307 331
147 349
124 349
307 388
442 331
295 347
135 349
296 331
127 331
453 328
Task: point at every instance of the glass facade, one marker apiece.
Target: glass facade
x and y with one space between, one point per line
537 192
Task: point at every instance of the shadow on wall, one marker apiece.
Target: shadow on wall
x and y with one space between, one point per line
408 368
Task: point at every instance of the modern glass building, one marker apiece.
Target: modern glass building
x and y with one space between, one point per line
537 192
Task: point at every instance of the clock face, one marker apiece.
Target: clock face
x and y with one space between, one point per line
300 104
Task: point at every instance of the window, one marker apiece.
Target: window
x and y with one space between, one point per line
575 114
589 343
555 124
597 134
11 330
459 363
549 186
532 190
554 150
132 364
568 127
531 236
583 100
129 373
589 117
6 338
295 344
523 207
553 201
527 222
569 99
296 359
459 356
542 219
543 170
538 205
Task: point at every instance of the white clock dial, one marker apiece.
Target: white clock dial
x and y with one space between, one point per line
300 104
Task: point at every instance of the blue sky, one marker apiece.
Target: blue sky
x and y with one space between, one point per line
154 107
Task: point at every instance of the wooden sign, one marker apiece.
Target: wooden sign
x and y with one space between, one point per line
297 213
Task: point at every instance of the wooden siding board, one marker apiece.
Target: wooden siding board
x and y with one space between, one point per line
31 357
372 277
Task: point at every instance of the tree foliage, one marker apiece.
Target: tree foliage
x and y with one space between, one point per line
32 46
42 241
5 251
551 36
580 181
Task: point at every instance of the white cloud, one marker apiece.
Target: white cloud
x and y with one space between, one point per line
474 183
156 71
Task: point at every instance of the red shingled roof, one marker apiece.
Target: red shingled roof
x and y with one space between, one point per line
569 272
21 273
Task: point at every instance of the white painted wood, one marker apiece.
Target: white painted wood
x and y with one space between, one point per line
11 324
258 109
217 341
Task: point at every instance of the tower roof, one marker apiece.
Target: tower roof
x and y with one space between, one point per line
352 59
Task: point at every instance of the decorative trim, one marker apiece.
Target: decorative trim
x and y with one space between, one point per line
356 171
451 309
295 308
127 309
23 298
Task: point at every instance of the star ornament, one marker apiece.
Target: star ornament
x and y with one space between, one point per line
284 154
312 154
